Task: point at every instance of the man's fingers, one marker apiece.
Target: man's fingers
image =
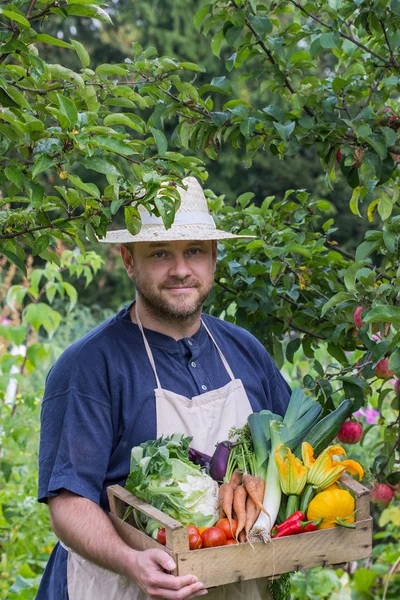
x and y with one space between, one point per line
200 593
190 591
163 559
171 582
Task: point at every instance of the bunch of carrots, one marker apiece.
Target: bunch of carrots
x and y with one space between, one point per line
241 493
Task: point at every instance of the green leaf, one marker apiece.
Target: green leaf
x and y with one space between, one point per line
385 207
394 362
262 25
132 220
160 140
244 199
111 70
351 274
72 294
14 16
15 175
381 313
218 84
189 66
102 165
68 109
130 120
298 57
201 14
328 40
41 315
42 163
336 299
40 244
285 130
82 53
377 142
15 260
113 145
90 188
48 39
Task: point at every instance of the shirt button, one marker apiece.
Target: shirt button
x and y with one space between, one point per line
190 342
193 364
204 387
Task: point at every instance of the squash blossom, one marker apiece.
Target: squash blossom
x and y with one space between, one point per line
292 472
324 470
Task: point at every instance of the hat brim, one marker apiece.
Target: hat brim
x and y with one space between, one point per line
153 233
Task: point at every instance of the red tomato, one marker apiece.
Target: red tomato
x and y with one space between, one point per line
195 542
224 525
192 530
161 536
213 537
231 543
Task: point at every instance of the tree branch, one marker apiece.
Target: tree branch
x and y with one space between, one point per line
343 35
392 59
30 7
268 52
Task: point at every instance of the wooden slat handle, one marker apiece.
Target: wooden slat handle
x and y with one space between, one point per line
116 491
362 496
353 485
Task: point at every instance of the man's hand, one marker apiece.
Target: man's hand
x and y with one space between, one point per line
149 574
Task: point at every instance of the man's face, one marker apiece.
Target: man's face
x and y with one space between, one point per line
172 279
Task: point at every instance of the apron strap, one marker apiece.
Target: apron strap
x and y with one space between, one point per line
225 362
148 350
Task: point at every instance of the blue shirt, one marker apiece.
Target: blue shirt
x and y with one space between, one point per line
99 403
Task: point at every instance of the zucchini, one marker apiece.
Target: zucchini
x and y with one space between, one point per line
325 431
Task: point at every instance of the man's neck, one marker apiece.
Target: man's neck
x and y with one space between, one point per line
176 330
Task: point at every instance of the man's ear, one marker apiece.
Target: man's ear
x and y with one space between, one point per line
128 261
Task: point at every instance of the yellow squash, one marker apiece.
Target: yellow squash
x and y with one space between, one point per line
336 507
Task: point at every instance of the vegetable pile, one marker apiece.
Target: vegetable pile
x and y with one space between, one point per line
277 478
162 475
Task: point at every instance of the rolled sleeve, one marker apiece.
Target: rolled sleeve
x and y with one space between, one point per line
75 445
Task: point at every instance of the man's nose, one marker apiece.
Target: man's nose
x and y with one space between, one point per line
180 267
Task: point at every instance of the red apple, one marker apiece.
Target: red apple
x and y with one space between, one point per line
382 369
350 432
339 156
381 494
358 322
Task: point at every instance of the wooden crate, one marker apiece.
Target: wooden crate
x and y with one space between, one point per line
229 564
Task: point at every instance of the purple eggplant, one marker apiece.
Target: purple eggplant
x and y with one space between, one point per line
219 460
199 458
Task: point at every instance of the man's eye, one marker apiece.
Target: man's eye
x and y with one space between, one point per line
159 254
194 251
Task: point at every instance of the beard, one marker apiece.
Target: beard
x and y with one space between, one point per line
165 309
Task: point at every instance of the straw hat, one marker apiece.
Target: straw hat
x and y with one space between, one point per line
192 222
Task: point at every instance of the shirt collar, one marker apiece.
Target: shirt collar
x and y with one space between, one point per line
184 346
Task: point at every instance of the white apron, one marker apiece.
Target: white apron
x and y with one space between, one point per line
206 418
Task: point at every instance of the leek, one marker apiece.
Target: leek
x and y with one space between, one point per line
272 497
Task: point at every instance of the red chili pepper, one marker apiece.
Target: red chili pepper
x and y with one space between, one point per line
310 527
294 527
297 516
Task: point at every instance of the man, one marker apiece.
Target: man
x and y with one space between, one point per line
158 367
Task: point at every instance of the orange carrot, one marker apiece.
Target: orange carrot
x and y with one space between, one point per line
242 536
239 504
255 487
236 479
225 499
252 513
